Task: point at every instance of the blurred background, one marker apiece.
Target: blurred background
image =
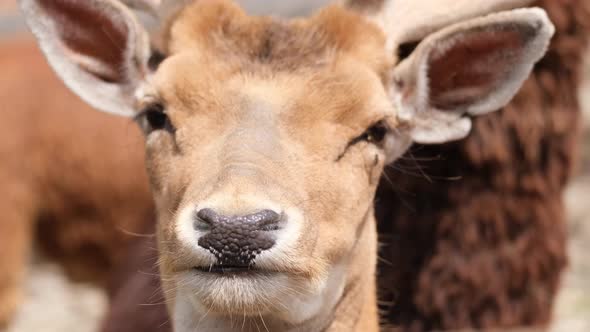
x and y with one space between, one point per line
53 303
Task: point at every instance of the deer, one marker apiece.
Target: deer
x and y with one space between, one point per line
265 138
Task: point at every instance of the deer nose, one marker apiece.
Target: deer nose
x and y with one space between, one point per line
237 240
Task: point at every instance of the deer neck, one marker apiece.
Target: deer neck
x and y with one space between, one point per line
357 308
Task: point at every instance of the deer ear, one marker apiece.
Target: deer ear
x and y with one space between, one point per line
470 68
97 47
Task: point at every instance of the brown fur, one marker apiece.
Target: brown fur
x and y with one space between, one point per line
250 79
73 175
222 30
476 236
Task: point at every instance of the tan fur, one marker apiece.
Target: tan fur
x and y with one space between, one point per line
223 30
305 78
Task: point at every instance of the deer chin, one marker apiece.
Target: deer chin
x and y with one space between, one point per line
283 284
203 296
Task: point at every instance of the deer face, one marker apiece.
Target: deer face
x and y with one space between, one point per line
266 139
265 155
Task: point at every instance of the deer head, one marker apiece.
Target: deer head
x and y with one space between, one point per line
266 138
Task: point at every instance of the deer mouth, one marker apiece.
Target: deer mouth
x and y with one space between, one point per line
230 270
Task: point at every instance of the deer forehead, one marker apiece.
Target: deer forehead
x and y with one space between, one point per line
220 28
331 67
346 93
328 68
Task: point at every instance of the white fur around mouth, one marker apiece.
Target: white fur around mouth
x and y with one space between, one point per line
231 270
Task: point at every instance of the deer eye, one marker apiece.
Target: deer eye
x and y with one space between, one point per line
406 49
155 59
154 118
375 134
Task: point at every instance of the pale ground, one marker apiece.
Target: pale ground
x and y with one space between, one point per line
56 305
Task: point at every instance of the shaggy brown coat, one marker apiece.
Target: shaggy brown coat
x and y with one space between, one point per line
473 233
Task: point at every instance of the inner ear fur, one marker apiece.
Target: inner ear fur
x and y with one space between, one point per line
480 60
471 68
97 47
474 67
76 24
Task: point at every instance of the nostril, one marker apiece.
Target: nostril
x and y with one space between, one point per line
265 220
208 216
204 219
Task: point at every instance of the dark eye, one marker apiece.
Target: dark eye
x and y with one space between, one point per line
406 49
154 118
376 133
155 59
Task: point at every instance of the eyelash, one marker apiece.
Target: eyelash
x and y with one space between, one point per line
374 135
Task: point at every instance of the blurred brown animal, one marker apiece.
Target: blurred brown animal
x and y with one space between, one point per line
70 175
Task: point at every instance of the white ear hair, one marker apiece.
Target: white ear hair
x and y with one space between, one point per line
97 47
150 6
411 20
471 68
